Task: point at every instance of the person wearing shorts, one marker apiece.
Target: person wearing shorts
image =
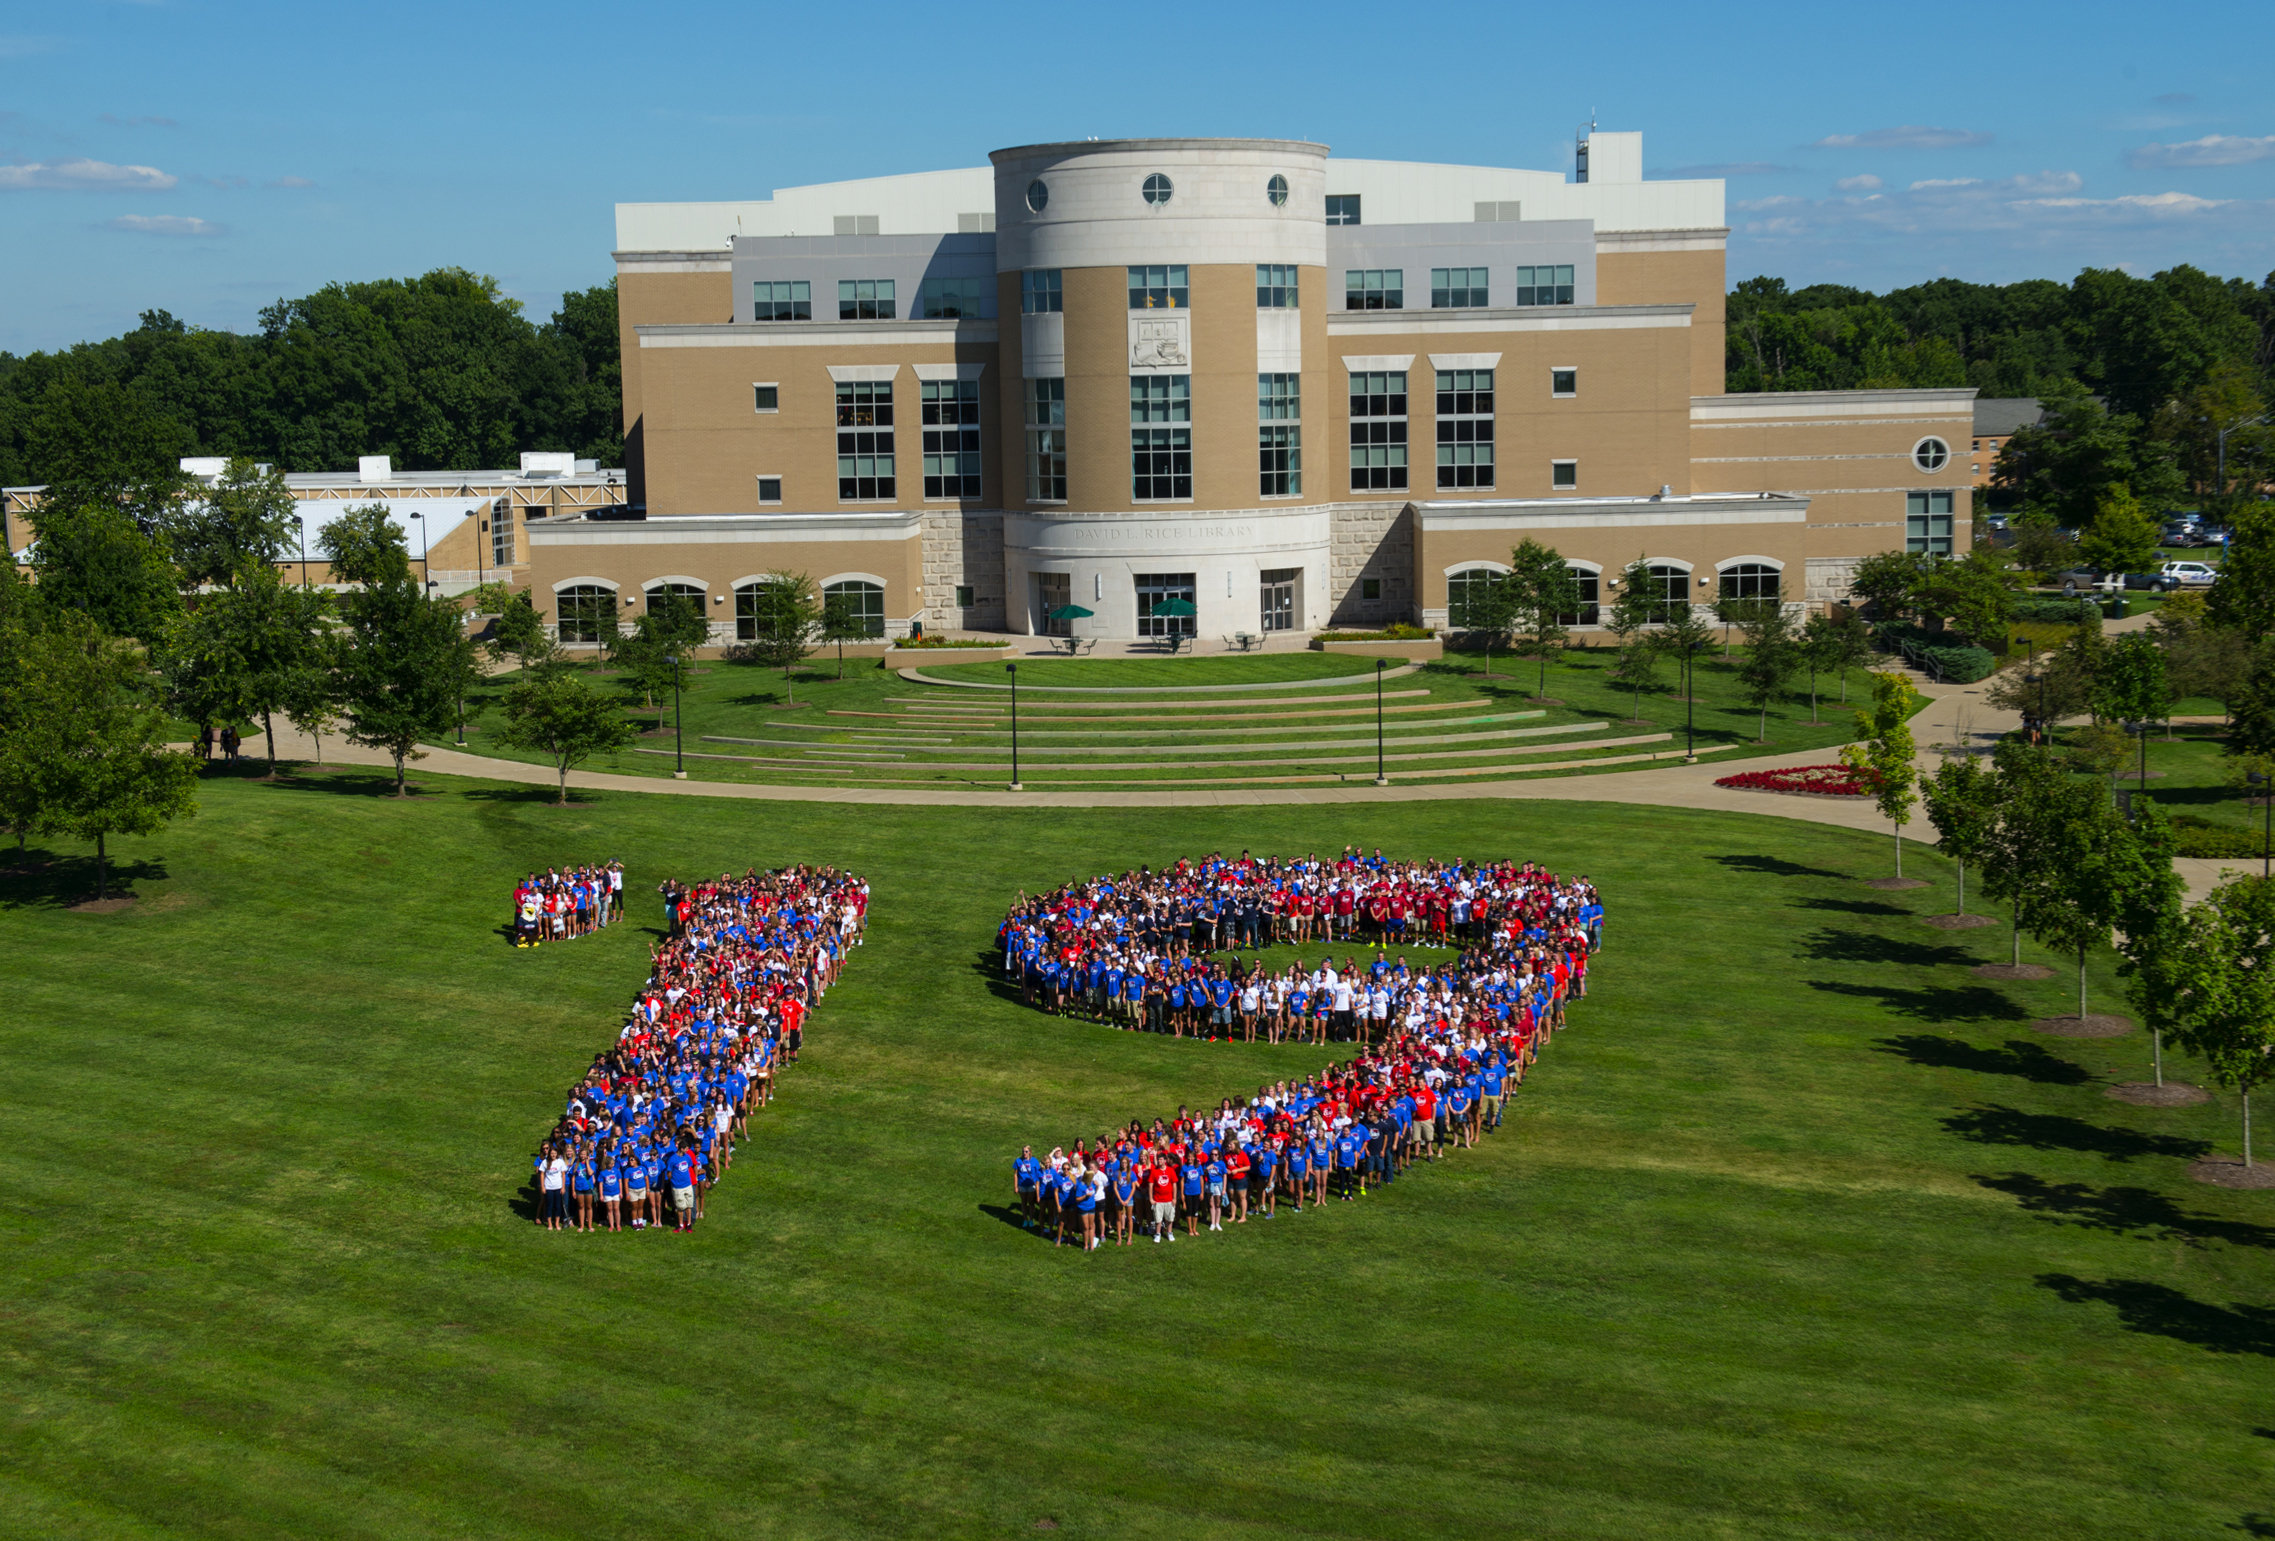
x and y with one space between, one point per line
679 1170
1027 1187
1126 1185
1213 1172
1161 1186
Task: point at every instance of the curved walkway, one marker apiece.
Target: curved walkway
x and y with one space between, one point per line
1139 690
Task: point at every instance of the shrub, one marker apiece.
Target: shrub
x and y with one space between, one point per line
1816 780
941 642
2197 836
2063 612
1401 632
1961 665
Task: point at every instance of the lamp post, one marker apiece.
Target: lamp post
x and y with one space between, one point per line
2222 435
301 520
678 750
1380 779
1690 704
1012 669
2267 823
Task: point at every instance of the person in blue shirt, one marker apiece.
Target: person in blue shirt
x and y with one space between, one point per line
1348 1145
1213 1171
582 1183
1027 1185
1196 1177
1125 1203
636 1191
1459 1125
1491 1079
1267 1172
1299 1172
611 1194
679 1170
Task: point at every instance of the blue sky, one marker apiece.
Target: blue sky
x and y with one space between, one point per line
208 158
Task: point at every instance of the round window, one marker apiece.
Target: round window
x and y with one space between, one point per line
1157 189
1277 191
1037 195
1931 454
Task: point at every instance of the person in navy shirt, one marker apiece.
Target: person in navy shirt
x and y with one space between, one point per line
1026 1184
679 1170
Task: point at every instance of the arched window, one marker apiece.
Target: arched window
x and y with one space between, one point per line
864 601
687 591
1670 586
1590 587
1749 580
586 612
1467 594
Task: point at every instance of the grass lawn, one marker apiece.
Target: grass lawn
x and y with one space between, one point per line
1800 1231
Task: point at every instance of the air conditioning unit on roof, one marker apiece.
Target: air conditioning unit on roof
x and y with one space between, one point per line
547 463
373 468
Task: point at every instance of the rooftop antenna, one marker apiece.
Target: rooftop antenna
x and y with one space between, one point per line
1580 149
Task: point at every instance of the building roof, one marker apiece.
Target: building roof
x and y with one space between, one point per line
1998 416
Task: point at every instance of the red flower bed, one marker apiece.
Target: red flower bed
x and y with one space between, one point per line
1815 780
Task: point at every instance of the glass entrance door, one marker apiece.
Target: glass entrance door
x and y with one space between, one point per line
1052 591
1278 597
1152 589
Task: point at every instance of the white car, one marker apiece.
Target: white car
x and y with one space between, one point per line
2191 575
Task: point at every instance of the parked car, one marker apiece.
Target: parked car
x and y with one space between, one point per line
2183 535
2080 579
1996 523
2191 575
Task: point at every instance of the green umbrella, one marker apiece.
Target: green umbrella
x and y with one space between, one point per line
1175 607
1071 613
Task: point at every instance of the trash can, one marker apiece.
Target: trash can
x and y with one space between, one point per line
2115 608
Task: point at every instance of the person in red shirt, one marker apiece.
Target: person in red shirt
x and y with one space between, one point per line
1161 1188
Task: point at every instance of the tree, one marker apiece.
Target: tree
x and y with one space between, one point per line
2040 545
2087 856
2130 684
2060 687
2122 537
2151 932
2224 978
563 718
1773 654
1535 597
1975 593
366 546
2244 599
101 763
518 636
2013 858
671 628
1848 643
2251 715
2077 454
1884 748
401 662
1887 582
103 444
1640 603
785 617
91 558
1685 634
246 519
1963 804
239 653
842 622
311 700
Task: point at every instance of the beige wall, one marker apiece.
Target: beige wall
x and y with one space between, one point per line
1854 464
658 299
718 565
1674 278
1612 549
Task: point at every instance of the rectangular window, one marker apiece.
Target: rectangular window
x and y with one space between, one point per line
1564 382
865 440
1465 428
865 299
782 302
1276 586
1927 522
1054 591
963 596
1161 398
1370 589
1279 454
770 489
951 438
1275 286
1046 441
1590 593
1564 475
952 299
1152 589
1279 398
1378 432
1161 459
766 398
1544 285
1040 292
1159 287
501 534
1342 208
1374 289
1457 288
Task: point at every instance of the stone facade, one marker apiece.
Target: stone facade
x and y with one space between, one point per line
1371 540
964 548
1828 578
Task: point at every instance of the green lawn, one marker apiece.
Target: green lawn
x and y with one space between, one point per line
1800 1231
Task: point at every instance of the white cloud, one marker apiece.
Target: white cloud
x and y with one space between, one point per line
79 172
1908 136
1918 187
2211 150
2153 203
1724 169
2034 204
289 182
167 224
1867 183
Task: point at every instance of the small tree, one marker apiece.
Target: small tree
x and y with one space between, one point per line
842 622
2016 859
247 520
2122 538
366 546
2130 685
785 619
1772 656
237 654
1686 633
2089 857
1963 804
1532 602
2224 976
2151 933
1640 603
1888 582
402 660
518 635
671 628
563 718
311 696
1884 747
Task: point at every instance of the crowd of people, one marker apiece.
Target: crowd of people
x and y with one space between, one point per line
1439 1046
655 1120
560 903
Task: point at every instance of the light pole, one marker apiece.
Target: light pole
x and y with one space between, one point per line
2267 823
1380 779
2222 436
1012 669
302 521
424 585
1690 703
678 748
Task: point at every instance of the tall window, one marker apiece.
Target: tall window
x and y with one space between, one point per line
1342 208
1374 289
1046 441
1456 288
1590 587
657 593
1378 431
501 534
1279 398
1467 593
951 299
951 438
1927 522
1152 589
782 302
1054 591
865 439
1041 292
1669 587
1544 285
864 602
865 299
1465 427
1275 286
1279 454
585 612
1159 287
1161 459
1749 580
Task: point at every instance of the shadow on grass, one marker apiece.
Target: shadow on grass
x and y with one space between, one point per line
49 880
1938 1003
2256 1525
2163 1312
530 792
1832 946
2016 1058
2000 1125
1010 1216
1854 907
1777 866
2123 1211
